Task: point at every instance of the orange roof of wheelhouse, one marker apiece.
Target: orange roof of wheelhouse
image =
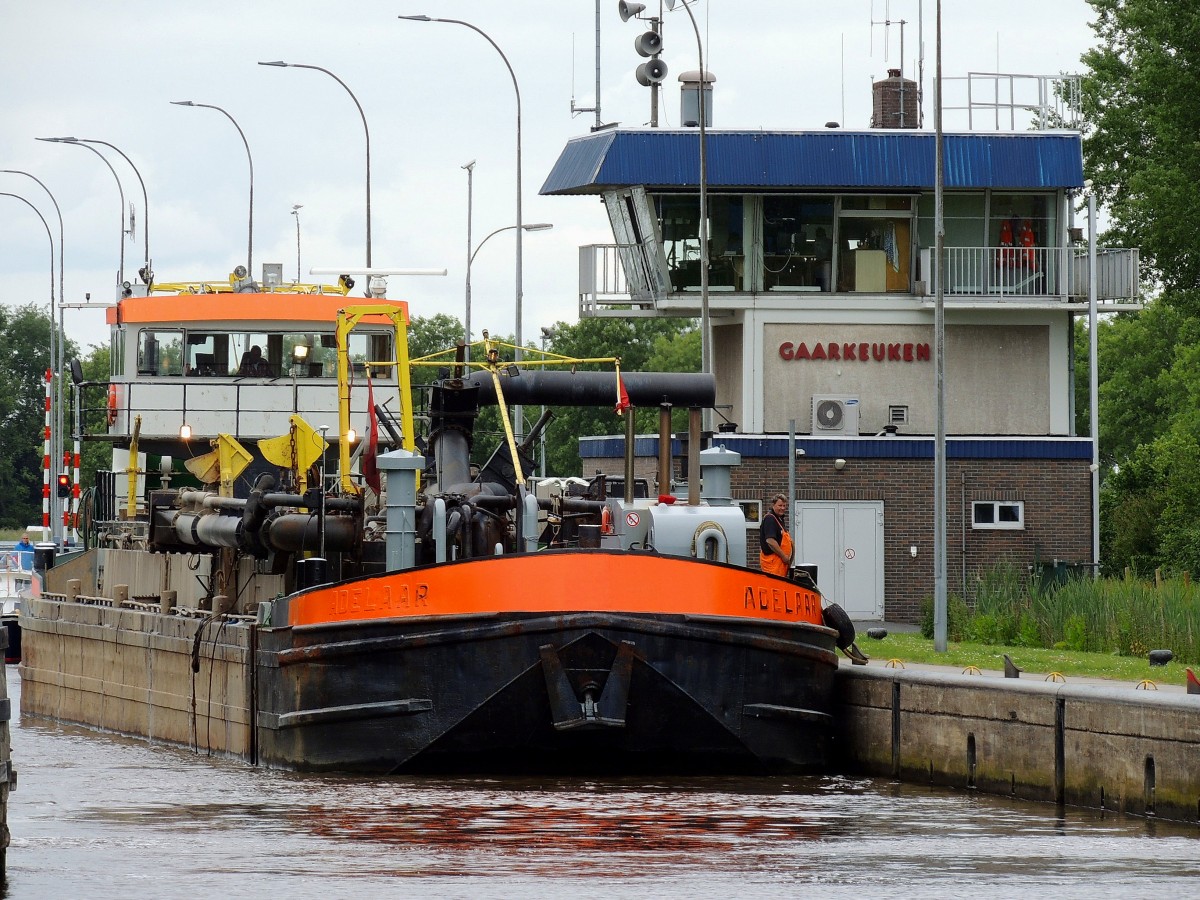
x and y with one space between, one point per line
230 307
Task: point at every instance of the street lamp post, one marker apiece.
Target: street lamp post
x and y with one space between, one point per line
520 268
250 160
533 226
470 167
50 478
366 132
296 207
940 597
56 351
120 190
145 198
705 338
548 334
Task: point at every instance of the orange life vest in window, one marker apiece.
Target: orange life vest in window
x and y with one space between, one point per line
1005 256
1025 238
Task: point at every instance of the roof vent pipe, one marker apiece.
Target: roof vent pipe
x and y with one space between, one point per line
689 99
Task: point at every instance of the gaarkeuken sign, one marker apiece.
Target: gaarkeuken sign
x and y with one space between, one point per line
859 351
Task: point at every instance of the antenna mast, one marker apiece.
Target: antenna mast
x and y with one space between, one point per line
596 108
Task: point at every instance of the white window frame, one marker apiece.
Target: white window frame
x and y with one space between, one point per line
996 524
752 510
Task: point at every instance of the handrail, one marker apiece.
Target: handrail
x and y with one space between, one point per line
224 287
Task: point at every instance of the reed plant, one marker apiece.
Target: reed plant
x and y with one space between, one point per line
1126 616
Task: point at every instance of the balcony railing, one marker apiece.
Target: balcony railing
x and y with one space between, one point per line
1116 274
999 273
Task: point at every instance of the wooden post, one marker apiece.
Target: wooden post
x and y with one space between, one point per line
166 600
74 589
120 595
1158 579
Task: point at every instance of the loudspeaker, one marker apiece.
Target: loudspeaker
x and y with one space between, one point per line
648 44
628 10
652 71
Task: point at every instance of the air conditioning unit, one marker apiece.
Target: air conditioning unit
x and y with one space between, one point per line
834 415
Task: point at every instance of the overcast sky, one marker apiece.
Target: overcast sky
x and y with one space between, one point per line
435 96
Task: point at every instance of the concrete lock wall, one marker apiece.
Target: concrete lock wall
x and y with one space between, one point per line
1106 747
130 671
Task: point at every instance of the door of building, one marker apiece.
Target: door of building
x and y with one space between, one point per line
844 539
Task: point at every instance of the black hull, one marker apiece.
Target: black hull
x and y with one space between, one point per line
573 692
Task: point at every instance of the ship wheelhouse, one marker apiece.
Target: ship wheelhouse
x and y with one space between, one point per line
189 367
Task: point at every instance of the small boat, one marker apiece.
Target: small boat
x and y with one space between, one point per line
16 582
419 611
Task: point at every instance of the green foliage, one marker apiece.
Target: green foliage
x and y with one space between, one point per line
1127 617
1141 150
958 617
1037 662
428 335
643 344
24 358
95 454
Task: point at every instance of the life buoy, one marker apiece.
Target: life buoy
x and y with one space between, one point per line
112 404
606 525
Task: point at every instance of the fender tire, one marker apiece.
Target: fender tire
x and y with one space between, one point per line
836 618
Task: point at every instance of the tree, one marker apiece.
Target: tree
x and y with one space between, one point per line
429 335
95 454
24 358
643 344
1139 100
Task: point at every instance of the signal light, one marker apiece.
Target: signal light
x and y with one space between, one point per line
64 485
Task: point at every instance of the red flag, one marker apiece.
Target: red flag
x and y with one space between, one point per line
622 397
370 465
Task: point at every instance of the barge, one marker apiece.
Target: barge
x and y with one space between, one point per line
410 610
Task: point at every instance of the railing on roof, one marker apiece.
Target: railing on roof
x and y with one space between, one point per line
1006 101
224 287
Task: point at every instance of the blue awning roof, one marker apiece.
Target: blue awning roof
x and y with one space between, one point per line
846 160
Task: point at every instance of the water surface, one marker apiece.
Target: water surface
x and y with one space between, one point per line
101 816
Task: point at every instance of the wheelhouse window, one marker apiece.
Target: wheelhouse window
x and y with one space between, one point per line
797 235
998 514
160 352
257 354
875 245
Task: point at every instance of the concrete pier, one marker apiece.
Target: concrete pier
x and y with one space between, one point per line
187 680
1101 745
132 670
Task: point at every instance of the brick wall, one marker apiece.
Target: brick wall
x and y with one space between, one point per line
1057 512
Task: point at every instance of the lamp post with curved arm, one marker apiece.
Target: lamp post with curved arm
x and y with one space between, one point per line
56 350
120 190
145 198
51 474
533 226
366 132
520 290
705 342
145 203
250 160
